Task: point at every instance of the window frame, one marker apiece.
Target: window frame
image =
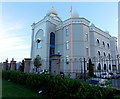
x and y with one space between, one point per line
67 31
98 42
67 45
39 43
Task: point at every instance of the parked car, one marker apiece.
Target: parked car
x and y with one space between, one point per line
98 81
105 75
44 71
114 75
118 74
97 75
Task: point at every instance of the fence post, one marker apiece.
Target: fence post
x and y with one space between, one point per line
13 65
55 64
27 63
5 66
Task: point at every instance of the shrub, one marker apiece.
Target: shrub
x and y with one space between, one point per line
15 76
58 87
6 74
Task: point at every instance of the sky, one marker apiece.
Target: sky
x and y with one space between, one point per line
17 17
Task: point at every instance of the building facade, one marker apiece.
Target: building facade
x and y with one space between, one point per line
119 27
72 39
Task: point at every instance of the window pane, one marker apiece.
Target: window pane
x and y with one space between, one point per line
66 31
86 37
39 44
52 43
67 45
87 52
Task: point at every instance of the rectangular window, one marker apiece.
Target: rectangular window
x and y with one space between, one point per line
86 36
87 52
67 59
39 45
66 32
67 45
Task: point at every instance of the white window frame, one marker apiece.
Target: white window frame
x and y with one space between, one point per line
98 43
67 59
39 44
67 45
66 31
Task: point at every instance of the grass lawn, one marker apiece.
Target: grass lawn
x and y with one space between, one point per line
15 91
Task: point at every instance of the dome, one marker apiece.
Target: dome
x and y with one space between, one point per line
75 14
52 11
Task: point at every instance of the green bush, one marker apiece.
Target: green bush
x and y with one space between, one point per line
58 87
6 74
15 76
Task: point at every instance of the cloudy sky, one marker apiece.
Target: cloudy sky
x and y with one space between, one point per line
17 17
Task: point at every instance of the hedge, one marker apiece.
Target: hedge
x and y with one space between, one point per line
58 87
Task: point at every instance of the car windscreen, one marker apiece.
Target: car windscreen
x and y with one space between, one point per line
94 82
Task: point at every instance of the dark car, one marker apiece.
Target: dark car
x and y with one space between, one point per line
98 81
115 75
118 74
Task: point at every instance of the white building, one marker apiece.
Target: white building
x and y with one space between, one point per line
119 27
73 39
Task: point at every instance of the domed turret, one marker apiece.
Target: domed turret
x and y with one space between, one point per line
52 11
75 14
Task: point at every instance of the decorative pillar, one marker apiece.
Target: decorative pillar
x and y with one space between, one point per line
55 64
27 62
5 66
13 65
32 41
1 66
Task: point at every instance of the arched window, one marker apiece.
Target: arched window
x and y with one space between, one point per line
99 66
105 67
108 46
52 43
109 56
104 54
103 44
38 38
109 67
52 48
98 53
98 42
39 43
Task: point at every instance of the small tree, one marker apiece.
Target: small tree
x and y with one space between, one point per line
91 68
37 62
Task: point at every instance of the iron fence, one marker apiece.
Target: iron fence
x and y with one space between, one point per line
101 66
